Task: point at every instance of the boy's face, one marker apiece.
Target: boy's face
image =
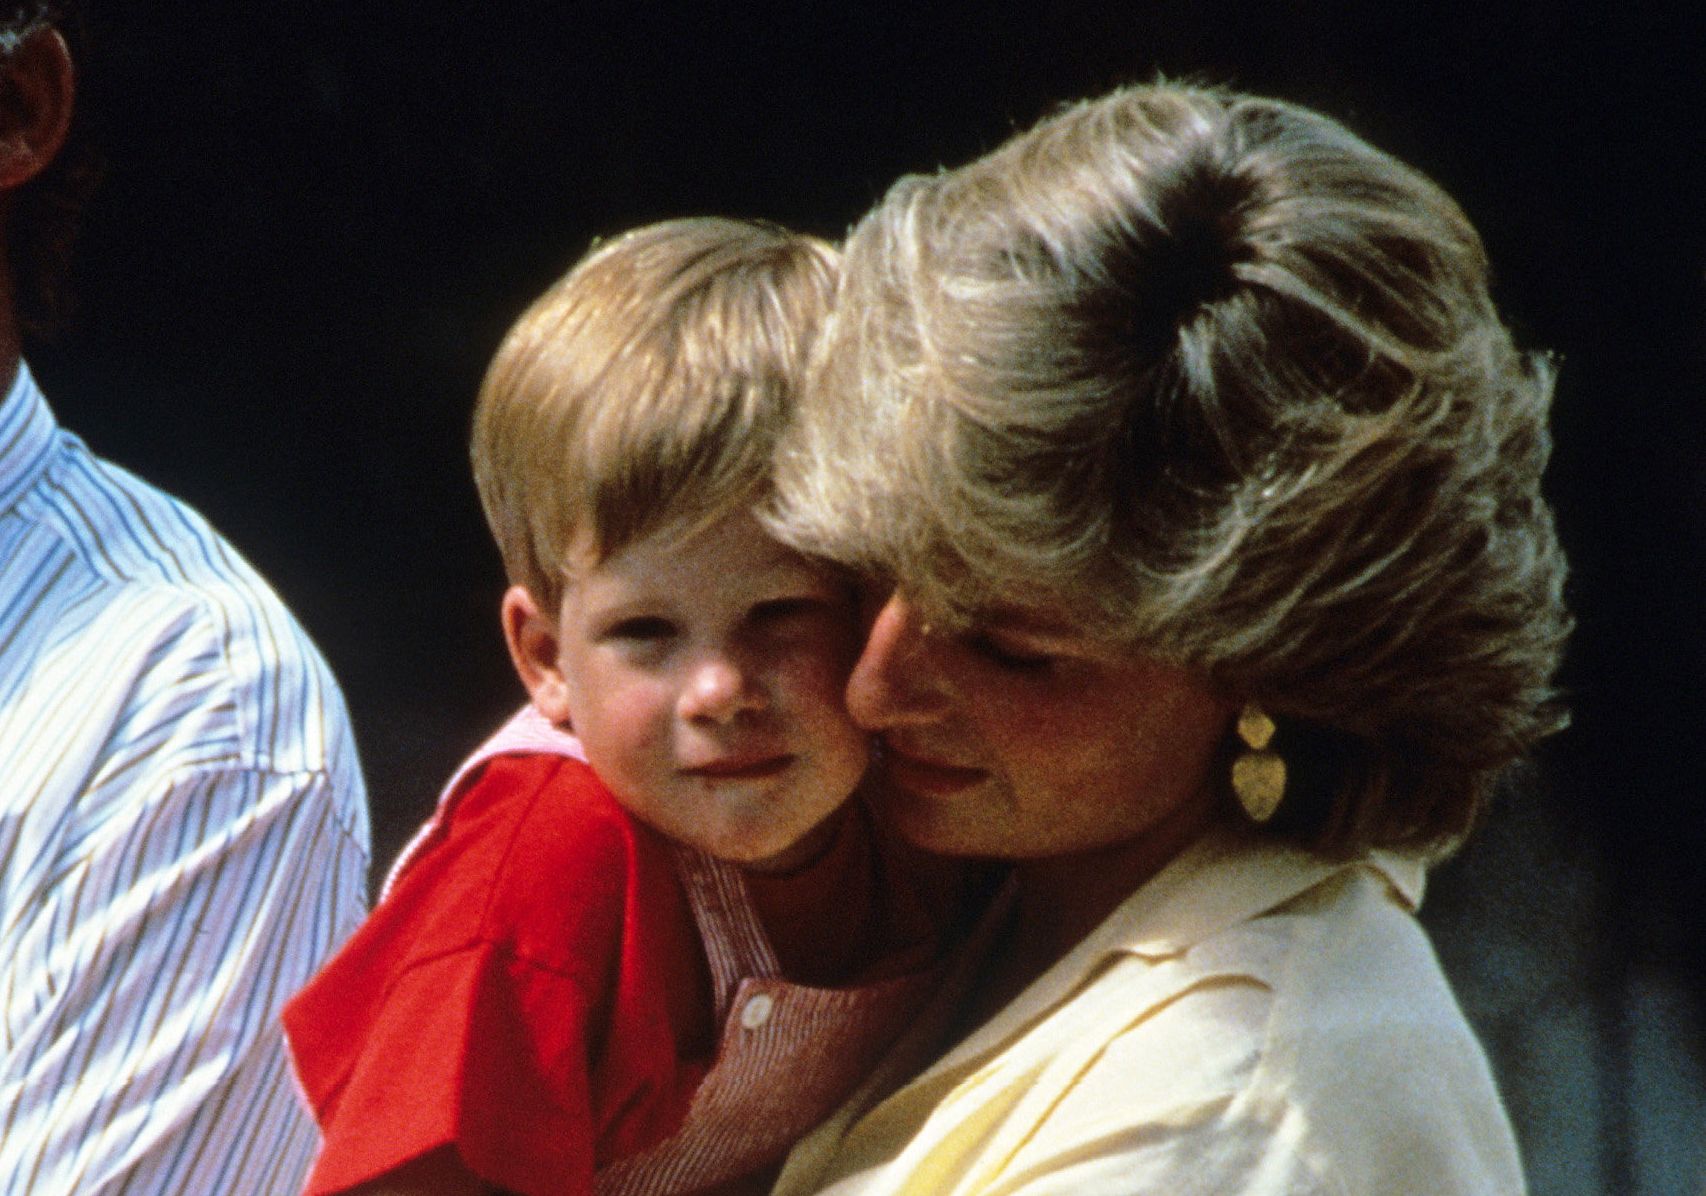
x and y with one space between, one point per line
705 679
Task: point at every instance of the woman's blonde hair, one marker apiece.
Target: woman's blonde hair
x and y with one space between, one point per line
1221 381
645 390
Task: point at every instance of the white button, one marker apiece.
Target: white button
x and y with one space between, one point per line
757 1011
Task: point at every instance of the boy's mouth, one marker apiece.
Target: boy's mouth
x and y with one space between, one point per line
740 767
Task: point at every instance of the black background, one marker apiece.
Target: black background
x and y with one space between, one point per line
319 218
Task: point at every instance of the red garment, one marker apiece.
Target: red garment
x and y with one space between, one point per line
789 1053
532 990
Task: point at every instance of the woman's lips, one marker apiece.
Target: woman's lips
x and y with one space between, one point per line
926 777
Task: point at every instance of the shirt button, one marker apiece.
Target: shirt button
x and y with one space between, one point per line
757 1011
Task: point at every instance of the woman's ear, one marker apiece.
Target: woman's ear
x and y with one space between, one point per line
37 92
531 636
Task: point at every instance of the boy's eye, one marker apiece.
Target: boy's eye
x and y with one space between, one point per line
1007 656
644 628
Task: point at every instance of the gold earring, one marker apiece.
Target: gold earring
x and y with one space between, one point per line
1258 775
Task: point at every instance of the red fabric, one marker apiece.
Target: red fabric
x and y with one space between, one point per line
527 992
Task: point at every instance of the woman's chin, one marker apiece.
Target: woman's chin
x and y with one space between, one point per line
944 827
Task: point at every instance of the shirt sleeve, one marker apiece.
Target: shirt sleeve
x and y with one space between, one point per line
509 998
473 1049
142 1053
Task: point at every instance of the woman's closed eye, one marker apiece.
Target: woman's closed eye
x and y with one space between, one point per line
1013 658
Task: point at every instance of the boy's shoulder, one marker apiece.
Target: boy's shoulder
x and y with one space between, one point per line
530 852
528 784
535 819
532 806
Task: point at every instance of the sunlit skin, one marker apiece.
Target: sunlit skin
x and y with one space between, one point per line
1086 763
705 680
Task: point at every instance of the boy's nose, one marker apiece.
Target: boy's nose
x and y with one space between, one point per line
896 680
719 688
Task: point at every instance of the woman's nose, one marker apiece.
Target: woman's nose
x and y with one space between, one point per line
896 679
718 688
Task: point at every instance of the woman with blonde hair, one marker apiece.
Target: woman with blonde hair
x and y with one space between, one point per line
1198 480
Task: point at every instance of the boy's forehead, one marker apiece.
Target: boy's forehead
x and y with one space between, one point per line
736 540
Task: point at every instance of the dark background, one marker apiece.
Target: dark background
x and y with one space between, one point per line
318 220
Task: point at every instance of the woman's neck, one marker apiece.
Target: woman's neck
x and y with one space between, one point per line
1061 899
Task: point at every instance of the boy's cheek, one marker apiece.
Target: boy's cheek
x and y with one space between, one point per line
615 719
841 639
825 645
819 677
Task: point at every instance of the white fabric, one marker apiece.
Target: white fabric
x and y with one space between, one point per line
1252 1022
183 837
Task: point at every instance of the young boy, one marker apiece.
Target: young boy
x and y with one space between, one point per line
646 942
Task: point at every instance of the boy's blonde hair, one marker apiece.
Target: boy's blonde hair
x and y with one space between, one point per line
645 390
1222 381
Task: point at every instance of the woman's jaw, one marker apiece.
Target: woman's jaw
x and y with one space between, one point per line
1003 745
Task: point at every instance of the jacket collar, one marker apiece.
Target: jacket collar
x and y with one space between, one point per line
1228 877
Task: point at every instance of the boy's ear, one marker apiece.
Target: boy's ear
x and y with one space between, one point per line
37 91
531 636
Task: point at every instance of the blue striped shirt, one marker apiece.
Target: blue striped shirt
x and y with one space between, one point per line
183 836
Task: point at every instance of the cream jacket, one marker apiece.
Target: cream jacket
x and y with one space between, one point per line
1253 1021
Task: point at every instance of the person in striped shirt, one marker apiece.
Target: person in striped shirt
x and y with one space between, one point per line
183 829
647 942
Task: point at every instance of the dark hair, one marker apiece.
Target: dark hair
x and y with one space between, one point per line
47 211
